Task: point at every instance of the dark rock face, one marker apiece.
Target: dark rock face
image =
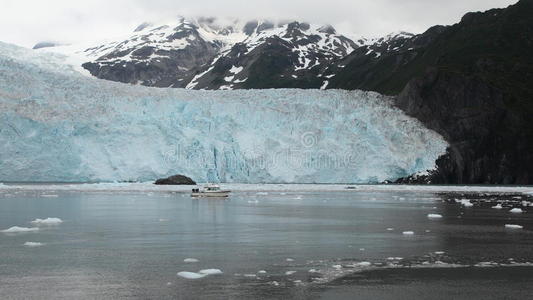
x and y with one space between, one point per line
176 180
487 141
473 83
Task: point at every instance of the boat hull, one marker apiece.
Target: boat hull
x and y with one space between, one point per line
221 194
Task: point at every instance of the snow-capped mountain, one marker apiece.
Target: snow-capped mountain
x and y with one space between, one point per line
209 53
291 55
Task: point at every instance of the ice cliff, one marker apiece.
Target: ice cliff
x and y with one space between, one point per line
59 125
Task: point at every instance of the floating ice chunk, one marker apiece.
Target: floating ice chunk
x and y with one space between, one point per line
191 275
210 271
435 216
364 264
48 221
439 252
498 206
408 233
512 226
390 229
16 229
516 211
338 267
262 193
250 275
33 244
290 259
262 272
465 203
288 273
313 271
191 260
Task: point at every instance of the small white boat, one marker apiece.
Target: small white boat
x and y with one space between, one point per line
211 190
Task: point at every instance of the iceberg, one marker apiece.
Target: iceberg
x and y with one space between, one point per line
60 125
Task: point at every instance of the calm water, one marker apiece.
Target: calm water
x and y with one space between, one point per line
132 245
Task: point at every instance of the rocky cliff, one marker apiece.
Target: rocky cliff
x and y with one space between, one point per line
474 85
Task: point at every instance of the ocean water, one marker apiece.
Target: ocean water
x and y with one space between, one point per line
124 241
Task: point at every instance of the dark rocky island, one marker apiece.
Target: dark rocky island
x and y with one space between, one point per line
176 180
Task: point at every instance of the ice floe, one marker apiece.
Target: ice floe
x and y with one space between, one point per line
465 202
191 275
512 226
288 273
49 196
48 221
16 229
33 244
191 260
434 216
498 206
200 274
210 271
408 233
516 211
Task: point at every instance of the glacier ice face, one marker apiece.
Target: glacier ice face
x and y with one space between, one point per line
58 125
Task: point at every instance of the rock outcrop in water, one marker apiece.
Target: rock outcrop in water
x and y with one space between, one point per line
176 180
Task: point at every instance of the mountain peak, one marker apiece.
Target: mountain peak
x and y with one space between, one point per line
327 29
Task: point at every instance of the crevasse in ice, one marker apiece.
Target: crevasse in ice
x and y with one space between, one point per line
59 125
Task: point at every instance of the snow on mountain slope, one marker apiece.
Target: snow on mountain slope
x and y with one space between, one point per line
63 126
193 52
291 55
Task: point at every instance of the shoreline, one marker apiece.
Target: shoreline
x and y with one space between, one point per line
150 187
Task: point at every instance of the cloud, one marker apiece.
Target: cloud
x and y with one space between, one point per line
26 22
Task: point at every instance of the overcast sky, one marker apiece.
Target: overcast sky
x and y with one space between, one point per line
25 22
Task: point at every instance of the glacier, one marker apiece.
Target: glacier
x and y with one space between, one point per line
60 125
